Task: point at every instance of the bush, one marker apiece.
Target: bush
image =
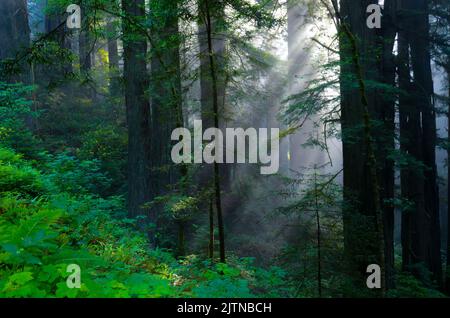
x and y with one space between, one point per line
69 174
51 220
109 146
40 236
18 177
15 112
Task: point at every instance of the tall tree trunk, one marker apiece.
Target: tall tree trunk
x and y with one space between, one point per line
219 49
447 273
363 226
138 110
166 108
219 44
166 92
213 90
14 36
421 64
55 26
422 241
386 136
406 144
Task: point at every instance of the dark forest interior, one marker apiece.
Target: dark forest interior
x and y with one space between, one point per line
341 168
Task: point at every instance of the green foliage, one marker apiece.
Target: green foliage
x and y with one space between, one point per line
18 177
66 207
15 112
40 237
239 278
312 197
108 144
49 220
69 174
410 287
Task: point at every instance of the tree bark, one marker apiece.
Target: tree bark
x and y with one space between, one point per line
166 92
319 235
363 223
219 42
408 179
138 110
214 62
447 284
422 240
85 41
14 36
211 232
386 136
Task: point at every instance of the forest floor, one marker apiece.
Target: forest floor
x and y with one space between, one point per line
49 220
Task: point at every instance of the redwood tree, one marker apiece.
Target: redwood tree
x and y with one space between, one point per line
421 222
14 33
137 108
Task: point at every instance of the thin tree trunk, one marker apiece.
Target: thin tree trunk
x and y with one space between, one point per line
215 95
319 236
448 187
206 88
113 58
211 232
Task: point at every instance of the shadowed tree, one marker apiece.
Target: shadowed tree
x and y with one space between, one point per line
137 108
385 137
14 36
440 39
363 222
85 40
213 81
420 223
166 103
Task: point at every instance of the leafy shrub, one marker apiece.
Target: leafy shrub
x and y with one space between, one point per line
239 278
53 219
16 176
410 287
40 237
15 111
109 146
69 174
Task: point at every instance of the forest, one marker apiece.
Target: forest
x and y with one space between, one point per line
224 148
